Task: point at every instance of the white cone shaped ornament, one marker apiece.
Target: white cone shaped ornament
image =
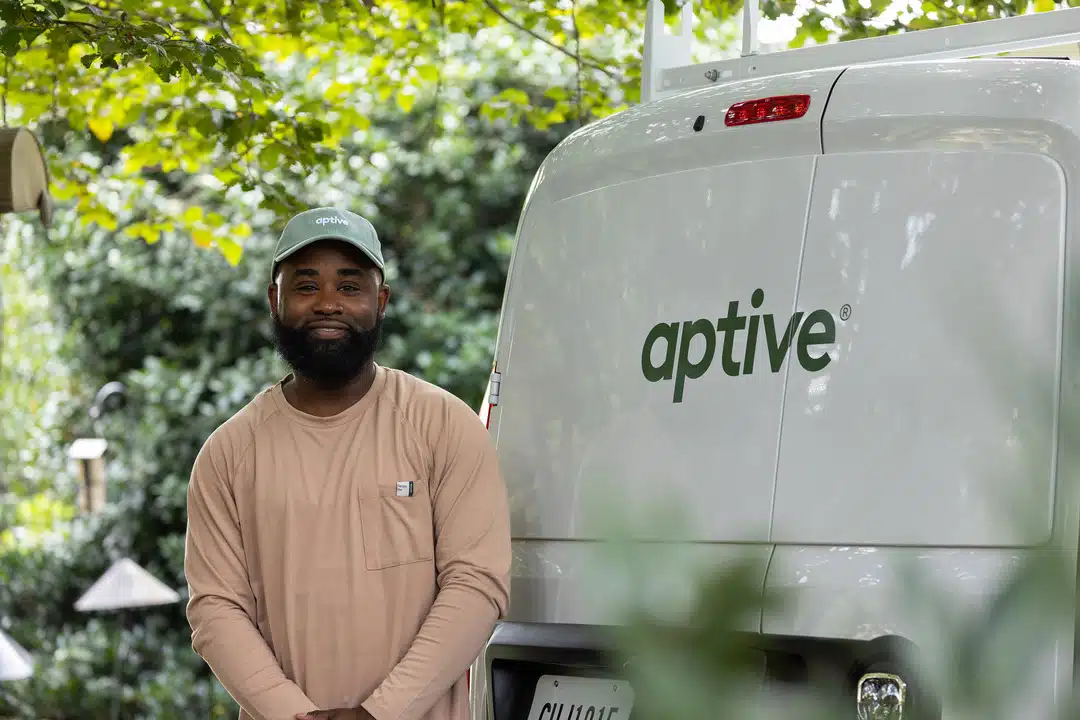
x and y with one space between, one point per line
15 662
125 585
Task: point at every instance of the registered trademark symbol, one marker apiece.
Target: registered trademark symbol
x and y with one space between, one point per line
845 312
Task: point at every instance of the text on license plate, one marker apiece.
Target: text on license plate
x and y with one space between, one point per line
576 698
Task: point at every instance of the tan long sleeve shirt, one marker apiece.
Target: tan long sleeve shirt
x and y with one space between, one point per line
359 559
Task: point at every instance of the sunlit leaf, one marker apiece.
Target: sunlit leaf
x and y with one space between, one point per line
102 127
192 214
428 73
405 100
145 231
230 249
203 238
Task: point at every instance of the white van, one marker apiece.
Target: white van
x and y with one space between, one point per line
819 296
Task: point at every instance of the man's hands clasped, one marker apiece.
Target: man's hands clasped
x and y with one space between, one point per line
338 714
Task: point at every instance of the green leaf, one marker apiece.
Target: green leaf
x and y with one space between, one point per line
202 237
102 127
336 90
231 250
145 231
515 96
428 73
9 40
206 126
405 100
270 155
99 216
555 116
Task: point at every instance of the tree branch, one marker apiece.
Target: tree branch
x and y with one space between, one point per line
7 81
107 7
220 19
589 63
577 49
440 6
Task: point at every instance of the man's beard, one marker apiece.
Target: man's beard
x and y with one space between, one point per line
330 364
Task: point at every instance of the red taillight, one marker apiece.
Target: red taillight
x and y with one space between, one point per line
784 107
491 398
485 414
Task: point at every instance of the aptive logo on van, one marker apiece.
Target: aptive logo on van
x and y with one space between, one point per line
817 328
333 220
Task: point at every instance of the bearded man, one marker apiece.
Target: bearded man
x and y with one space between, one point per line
348 546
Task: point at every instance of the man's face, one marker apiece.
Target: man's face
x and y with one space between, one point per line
327 302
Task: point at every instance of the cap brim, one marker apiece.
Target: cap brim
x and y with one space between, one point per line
329 236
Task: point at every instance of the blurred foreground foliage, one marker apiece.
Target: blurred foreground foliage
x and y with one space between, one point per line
988 655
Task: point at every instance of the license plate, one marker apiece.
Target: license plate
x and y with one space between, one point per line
575 698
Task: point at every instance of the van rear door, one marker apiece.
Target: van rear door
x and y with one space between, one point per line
936 237
642 352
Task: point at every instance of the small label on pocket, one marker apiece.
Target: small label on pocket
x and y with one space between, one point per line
405 489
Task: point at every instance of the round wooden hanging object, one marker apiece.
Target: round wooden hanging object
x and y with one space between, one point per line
24 176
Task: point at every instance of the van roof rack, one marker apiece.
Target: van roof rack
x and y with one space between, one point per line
667 68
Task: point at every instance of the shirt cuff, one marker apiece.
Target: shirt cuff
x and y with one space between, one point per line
377 711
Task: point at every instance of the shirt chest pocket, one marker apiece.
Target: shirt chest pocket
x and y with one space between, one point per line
397 525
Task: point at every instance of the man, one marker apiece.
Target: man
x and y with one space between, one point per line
348 546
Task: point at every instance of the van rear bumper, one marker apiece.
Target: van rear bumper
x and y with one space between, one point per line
518 654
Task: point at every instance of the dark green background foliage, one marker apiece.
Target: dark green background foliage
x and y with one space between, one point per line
189 335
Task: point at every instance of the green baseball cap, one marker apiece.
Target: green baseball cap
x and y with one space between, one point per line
328 223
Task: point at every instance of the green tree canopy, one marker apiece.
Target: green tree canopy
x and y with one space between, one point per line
234 92
237 92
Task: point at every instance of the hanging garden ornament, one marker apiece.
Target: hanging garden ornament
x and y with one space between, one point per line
15 662
24 176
